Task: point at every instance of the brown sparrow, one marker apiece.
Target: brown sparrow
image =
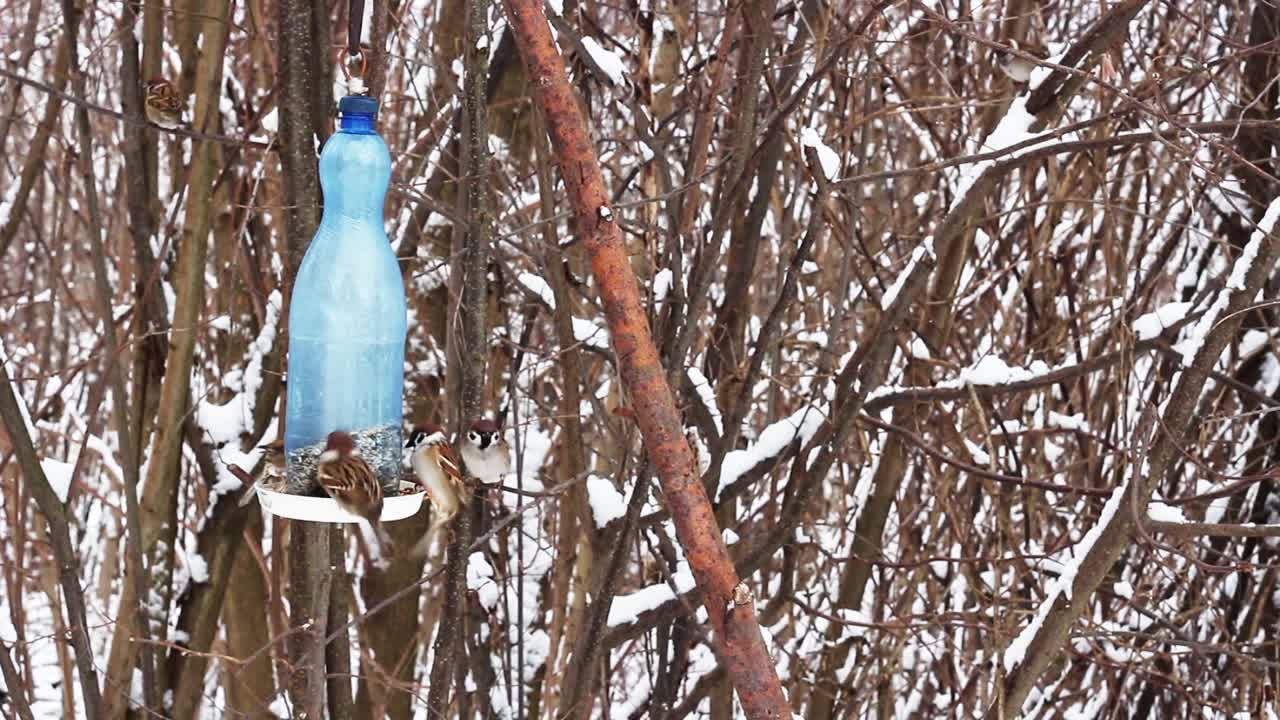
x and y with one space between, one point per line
353 484
163 105
271 471
1017 67
485 453
437 471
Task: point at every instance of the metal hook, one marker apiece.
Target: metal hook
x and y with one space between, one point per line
348 60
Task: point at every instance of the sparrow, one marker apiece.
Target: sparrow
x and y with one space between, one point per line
484 452
353 484
163 105
436 468
1019 68
271 472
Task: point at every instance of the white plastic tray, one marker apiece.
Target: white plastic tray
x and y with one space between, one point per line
325 509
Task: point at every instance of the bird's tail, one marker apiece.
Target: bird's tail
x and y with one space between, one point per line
436 532
386 547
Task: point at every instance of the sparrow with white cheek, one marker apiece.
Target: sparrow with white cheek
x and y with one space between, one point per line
485 453
353 484
1016 66
163 105
272 472
437 471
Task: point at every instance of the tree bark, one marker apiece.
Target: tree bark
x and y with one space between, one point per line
251 687
159 507
15 422
737 635
337 652
304 100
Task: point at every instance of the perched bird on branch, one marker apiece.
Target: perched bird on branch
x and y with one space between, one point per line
437 470
271 473
351 482
163 104
485 453
1017 67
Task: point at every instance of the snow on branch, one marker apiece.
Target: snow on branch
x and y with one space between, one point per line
223 424
1235 281
775 439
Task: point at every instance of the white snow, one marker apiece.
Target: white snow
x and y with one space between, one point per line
707 395
538 287
991 370
608 62
607 504
221 424
627 609
1166 316
17 391
916 256
1012 130
58 473
590 334
1160 512
827 157
480 579
773 440
661 285
1067 422
197 568
1236 281
1065 582
919 350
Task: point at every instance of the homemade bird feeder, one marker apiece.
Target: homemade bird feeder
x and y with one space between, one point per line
347 328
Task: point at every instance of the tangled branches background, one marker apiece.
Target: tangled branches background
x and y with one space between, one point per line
1053 496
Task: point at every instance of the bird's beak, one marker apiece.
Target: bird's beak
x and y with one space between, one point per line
408 443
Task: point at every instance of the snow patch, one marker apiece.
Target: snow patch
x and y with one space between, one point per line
607 504
801 424
539 287
58 473
1166 316
627 609
480 579
827 157
606 60
707 395
1159 512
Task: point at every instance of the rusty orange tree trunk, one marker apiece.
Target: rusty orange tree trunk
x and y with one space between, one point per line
736 632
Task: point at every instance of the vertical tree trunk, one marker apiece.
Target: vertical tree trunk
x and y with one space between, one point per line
309 584
737 635
337 652
60 538
159 506
468 345
244 615
301 118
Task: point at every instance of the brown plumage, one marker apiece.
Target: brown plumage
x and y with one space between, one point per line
270 473
351 482
437 470
163 104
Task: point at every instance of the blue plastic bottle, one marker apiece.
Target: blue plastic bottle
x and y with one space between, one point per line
347 320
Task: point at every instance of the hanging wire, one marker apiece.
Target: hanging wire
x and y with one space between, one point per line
352 54
355 26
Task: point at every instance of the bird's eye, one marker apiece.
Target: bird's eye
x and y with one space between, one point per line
473 436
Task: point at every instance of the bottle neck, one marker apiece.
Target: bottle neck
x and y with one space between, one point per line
357 123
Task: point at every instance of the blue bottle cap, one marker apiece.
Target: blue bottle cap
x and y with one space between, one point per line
358 105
